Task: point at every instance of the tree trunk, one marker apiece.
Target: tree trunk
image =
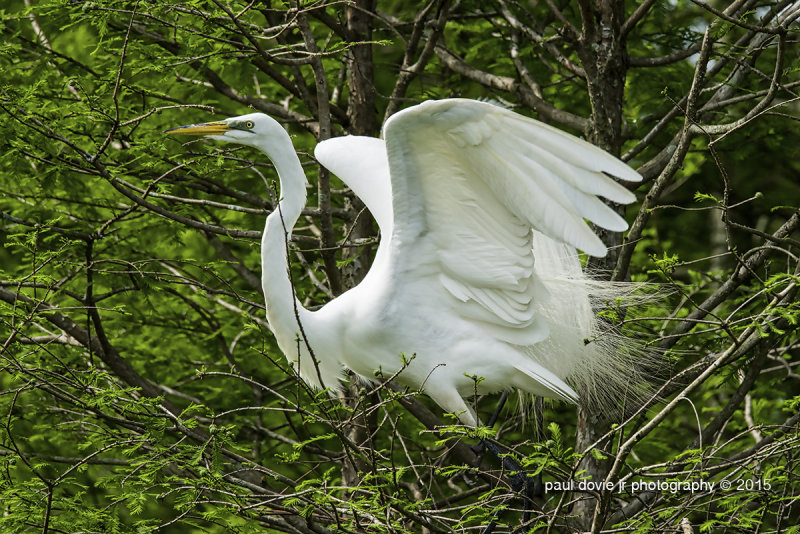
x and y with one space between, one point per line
601 49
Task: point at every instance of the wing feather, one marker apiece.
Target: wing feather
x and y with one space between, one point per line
470 183
360 162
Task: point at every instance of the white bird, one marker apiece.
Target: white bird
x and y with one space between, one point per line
476 285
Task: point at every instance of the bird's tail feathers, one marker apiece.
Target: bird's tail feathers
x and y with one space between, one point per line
594 344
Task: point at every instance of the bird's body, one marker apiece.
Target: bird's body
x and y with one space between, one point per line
476 285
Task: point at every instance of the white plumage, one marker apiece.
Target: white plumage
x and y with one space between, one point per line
476 275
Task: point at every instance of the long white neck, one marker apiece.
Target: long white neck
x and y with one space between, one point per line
283 309
284 312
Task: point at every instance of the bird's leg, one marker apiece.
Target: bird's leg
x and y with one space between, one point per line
479 447
529 487
500 404
537 488
520 481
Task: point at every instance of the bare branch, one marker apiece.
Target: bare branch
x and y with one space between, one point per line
501 83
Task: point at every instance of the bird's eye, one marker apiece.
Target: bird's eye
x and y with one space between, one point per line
249 125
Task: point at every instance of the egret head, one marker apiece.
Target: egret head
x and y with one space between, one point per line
255 129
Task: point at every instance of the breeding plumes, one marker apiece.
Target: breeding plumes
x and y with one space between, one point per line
476 285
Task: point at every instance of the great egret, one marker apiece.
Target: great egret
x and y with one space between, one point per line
476 285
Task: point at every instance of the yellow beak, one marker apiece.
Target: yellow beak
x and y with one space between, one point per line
207 128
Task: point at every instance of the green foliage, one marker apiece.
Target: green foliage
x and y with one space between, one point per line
140 387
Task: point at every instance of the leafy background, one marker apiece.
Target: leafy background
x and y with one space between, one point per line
140 388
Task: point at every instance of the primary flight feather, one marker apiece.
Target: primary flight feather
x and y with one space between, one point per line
476 284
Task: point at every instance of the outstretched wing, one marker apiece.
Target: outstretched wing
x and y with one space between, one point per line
361 163
470 183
